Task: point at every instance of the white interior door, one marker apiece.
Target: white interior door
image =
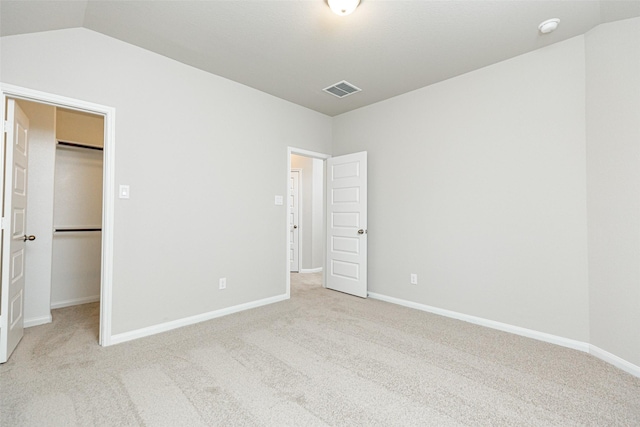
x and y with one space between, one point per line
347 224
14 235
294 216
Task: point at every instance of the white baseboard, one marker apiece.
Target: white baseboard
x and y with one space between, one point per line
311 270
35 321
505 327
529 333
616 361
75 301
164 327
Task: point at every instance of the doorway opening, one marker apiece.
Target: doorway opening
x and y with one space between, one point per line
64 209
78 232
305 216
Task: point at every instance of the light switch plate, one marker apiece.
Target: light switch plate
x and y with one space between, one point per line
279 200
124 192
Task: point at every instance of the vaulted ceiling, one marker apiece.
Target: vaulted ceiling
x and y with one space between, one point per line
294 49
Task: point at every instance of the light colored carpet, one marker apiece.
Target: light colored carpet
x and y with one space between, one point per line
321 358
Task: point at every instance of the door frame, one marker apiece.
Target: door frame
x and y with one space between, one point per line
315 155
108 185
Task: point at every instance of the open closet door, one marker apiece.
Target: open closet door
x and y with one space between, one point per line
14 235
347 224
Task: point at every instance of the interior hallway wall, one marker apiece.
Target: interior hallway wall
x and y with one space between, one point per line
312 210
318 215
204 157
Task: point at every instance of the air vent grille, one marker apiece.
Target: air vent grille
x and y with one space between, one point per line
342 89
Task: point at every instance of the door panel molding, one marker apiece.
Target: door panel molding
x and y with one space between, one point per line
16 137
346 233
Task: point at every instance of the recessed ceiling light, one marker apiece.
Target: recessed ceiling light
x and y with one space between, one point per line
549 25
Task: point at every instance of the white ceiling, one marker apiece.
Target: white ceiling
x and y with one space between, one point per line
294 49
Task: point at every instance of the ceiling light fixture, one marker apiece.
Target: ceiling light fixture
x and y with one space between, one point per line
343 7
549 25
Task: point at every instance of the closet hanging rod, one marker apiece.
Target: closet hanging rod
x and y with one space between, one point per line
66 230
79 145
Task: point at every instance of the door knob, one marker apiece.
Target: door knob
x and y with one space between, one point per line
295 226
31 237
361 231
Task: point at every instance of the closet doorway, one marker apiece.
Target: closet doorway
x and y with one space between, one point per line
64 209
13 317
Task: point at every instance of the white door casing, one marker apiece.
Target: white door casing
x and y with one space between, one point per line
347 224
14 233
8 91
294 216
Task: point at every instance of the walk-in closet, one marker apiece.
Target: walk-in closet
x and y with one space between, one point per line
77 209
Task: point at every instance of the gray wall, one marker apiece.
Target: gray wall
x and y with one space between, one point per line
478 185
318 215
613 172
204 157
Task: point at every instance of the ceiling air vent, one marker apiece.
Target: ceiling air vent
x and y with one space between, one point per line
341 89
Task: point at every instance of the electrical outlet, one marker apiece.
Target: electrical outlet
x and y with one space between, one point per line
223 283
414 279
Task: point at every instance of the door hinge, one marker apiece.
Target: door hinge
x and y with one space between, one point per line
2 223
5 126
